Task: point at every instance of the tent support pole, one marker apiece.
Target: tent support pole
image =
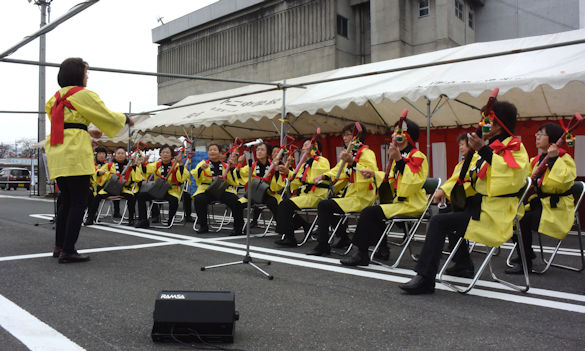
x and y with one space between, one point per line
283 114
378 113
429 131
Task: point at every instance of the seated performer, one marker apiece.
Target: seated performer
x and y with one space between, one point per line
359 193
97 181
260 168
308 195
464 269
551 210
129 179
203 174
172 171
408 172
497 176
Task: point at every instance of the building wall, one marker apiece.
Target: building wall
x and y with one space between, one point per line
271 41
506 19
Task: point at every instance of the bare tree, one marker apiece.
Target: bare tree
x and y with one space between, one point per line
25 147
4 150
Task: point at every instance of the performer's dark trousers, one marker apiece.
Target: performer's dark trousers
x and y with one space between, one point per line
70 211
285 216
370 226
95 203
443 224
272 205
141 199
201 201
326 218
186 199
528 223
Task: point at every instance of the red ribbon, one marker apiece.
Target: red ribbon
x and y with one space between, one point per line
506 151
58 115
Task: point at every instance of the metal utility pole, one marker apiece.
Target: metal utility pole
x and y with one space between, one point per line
42 183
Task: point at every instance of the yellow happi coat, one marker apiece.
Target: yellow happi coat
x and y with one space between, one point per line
97 181
204 177
360 192
175 177
130 185
450 183
409 195
242 176
495 183
75 156
556 222
309 194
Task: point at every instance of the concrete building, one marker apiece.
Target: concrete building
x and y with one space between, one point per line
268 40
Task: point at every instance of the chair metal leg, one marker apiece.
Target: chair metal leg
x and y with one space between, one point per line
308 234
550 260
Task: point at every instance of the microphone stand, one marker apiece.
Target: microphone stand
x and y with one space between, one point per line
247 259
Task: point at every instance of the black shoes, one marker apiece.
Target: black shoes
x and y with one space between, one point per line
203 229
288 241
419 285
461 270
342 243
131 222
155 219
189 219
518 269
359 258
142 224
254 223
236 232
383 253
56 251
320 250
516 259
88 221
72 257
117 215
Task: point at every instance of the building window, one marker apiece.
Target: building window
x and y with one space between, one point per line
470 19
342 26
424 8
459 9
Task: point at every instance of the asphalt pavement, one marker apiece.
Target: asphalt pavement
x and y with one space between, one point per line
313 303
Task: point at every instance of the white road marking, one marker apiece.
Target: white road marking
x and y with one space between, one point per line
32 332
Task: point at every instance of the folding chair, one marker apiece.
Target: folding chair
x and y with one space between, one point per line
110 200
430 186
161 204
487 261
343 218
308 212
225 218
262 208
578 190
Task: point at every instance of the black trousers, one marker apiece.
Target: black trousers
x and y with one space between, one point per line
325 211
286 219
370 226
186 199
95 203
201 201
70 211
528 223
270 202
443 224
141 199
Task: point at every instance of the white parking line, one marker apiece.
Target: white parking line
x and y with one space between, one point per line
31 331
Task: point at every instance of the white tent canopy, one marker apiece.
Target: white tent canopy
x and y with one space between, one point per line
545 82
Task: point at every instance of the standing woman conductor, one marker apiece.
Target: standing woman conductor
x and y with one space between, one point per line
69 151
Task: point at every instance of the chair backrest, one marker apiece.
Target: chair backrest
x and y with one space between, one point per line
522 192
578 190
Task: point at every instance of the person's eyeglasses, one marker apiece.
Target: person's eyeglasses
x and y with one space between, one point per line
539 134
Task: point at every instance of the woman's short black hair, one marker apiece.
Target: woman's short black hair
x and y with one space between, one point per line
100 149
350 126
120 147
462 136
507 113
71 72
167 146
412 129
268 148
553 130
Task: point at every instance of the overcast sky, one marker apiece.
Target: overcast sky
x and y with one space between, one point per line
111 33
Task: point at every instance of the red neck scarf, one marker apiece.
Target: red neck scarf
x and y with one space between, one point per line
58 115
